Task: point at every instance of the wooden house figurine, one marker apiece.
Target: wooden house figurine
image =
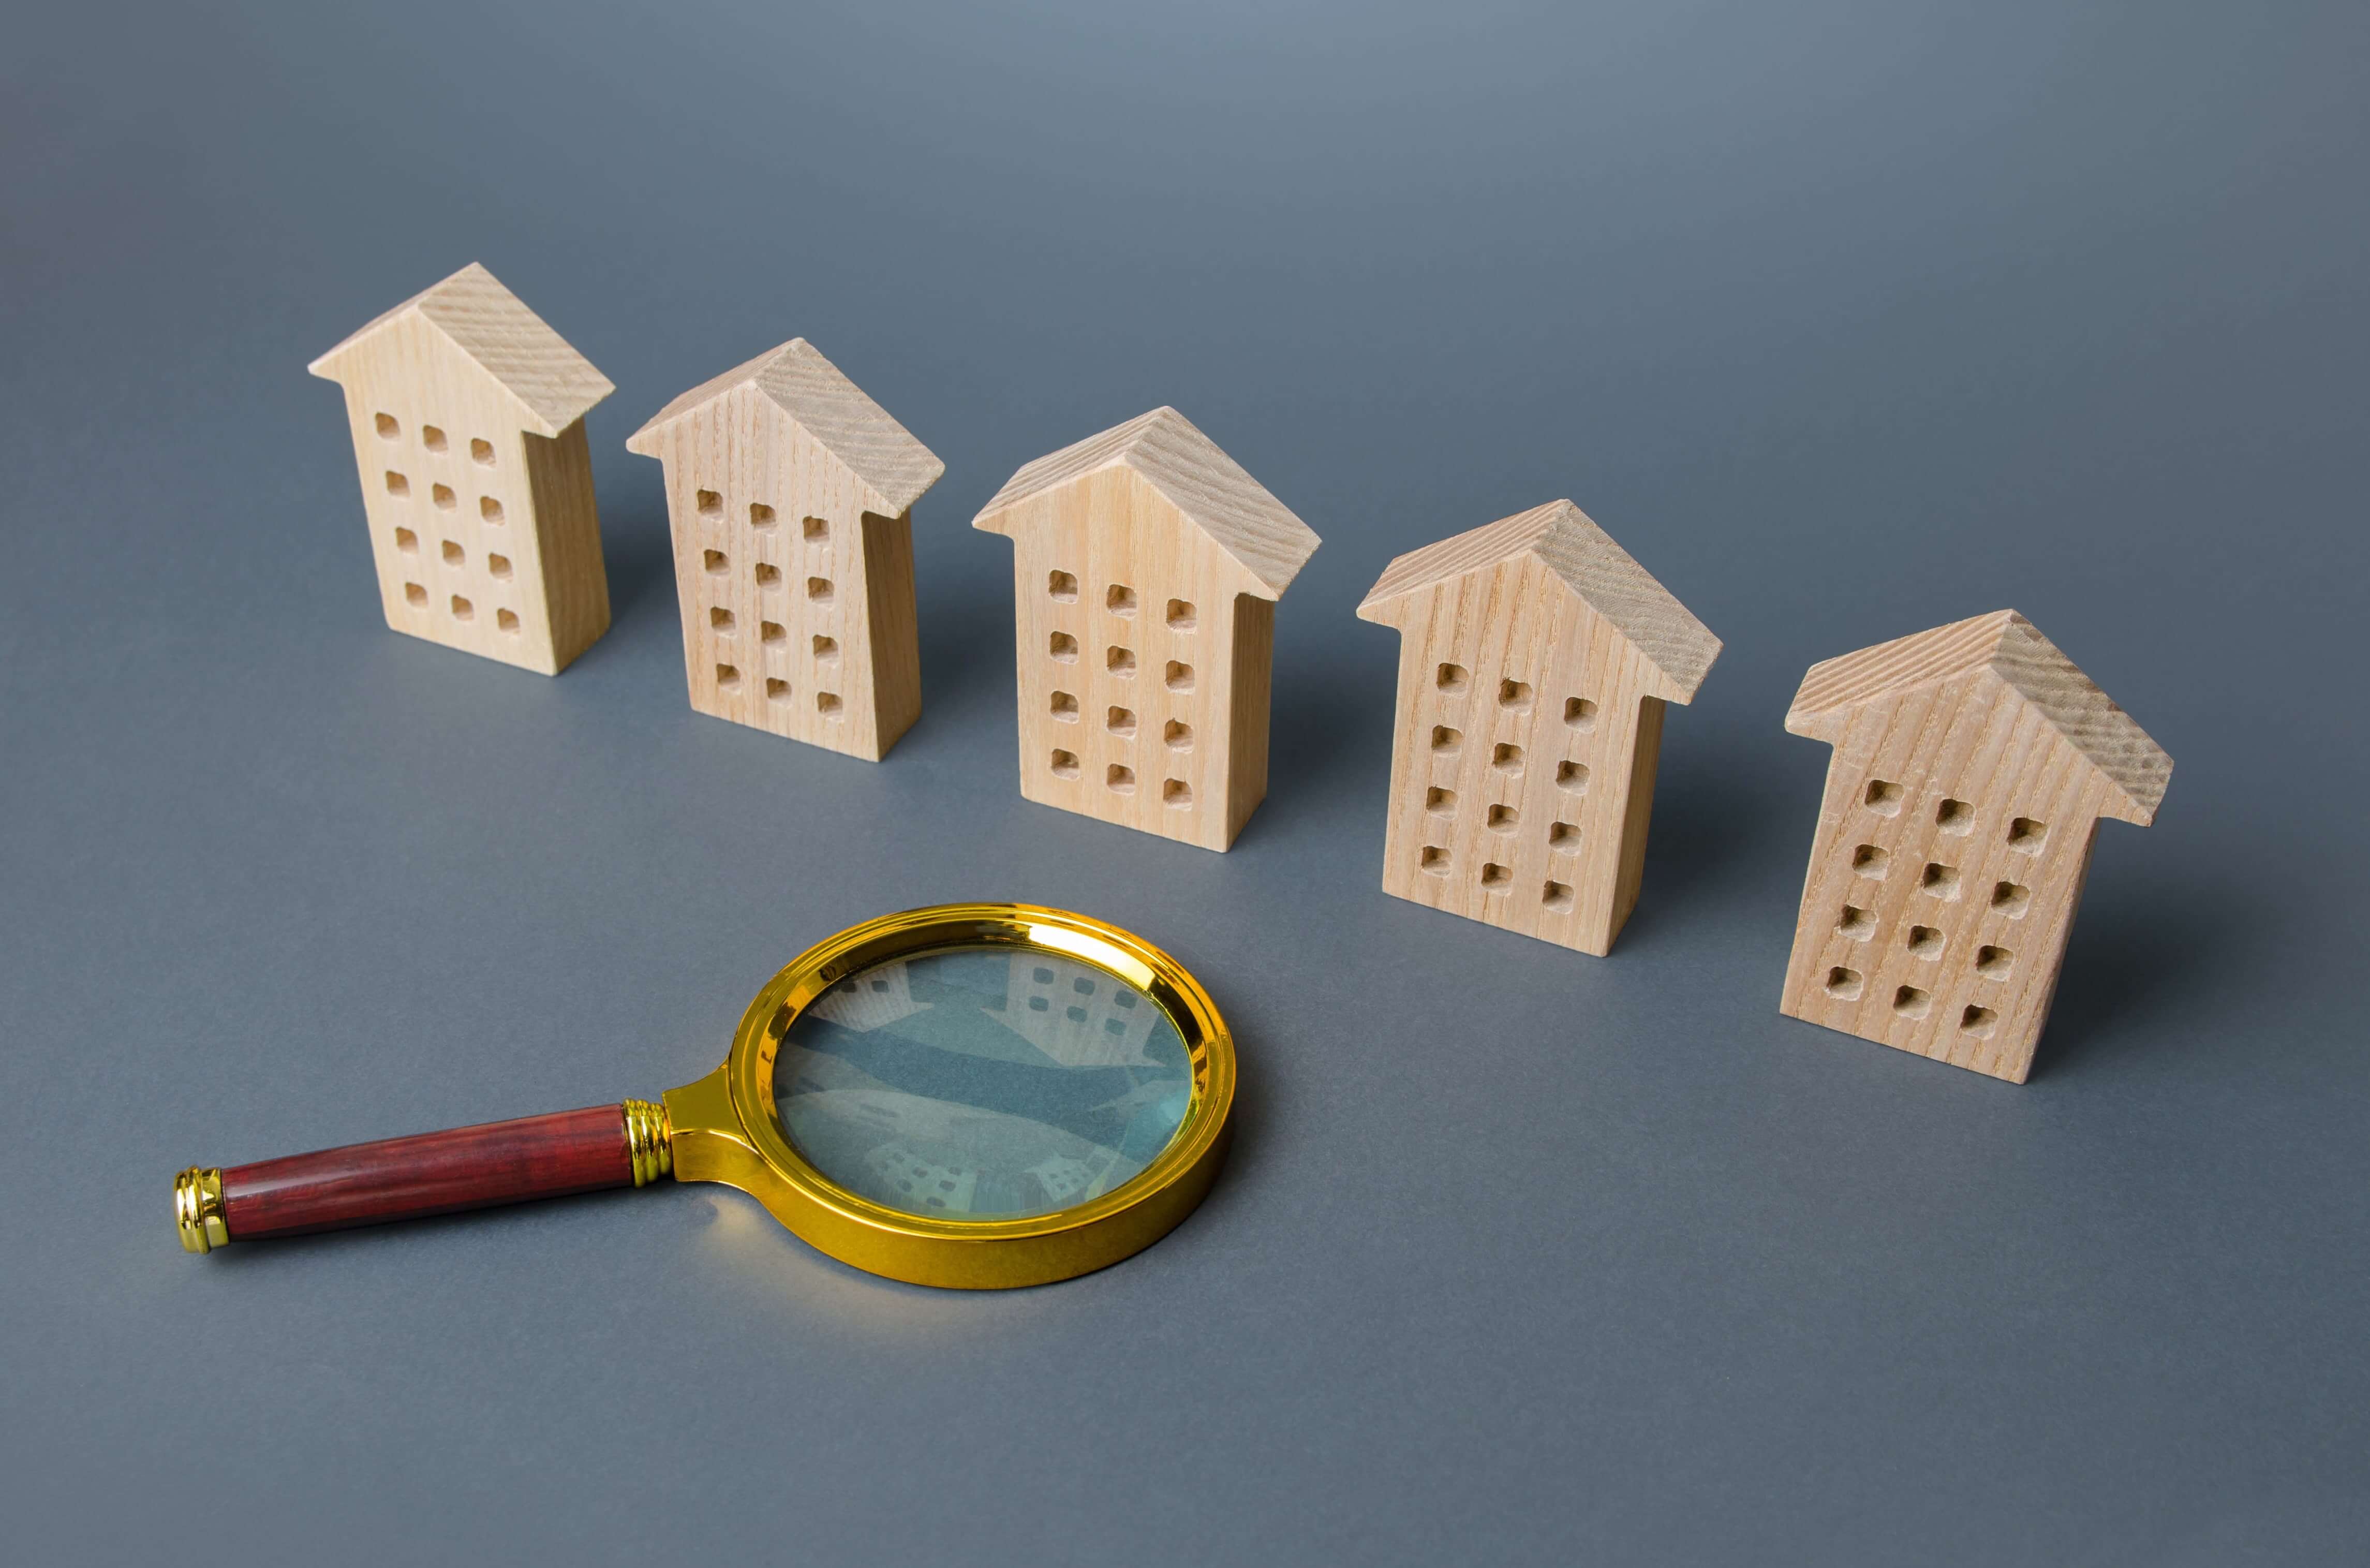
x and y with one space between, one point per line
1147 566
790 492
1971 766
1535 658
467 415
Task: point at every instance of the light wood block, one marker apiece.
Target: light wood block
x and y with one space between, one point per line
467 414
1147 565
1971 766
1535 657
789 494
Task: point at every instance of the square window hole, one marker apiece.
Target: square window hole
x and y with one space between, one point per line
1995 963
1176 794
1573 778
819 590
771 632
1177 736
827 703
1955 816
1940 882
1579 713
1065 707
396 484
2024 836
711 504
489 509
1440 803
1453 677
507 619
1120 721
415 595
768 576
453 554
1063 648
1120 661
760 516
1868 860
443 496
463 610
1063 586
1495 876
1910 1002
1843 984
1065 764
407 541
1121 600
1515 695
481 452
1506 758
499 565
1564 837
2011 899
728 678
1177 676
1120 779
431 438
1978 1021
1180 614
718 563
1858 924
719 619
1447 742
389 427
1926 942
1883 798
826 649
1557 898
776 690
1503 818
1433 861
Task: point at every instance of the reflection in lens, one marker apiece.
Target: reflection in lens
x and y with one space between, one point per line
982 1083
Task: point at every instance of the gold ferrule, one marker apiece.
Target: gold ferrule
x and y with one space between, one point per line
198 1209
648 1140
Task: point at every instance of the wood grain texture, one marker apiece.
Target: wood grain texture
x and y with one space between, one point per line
788 493
1971 766
1536 659
466 414
444 1173
1147 564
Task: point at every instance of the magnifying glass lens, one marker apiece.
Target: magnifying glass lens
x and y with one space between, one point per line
982 1083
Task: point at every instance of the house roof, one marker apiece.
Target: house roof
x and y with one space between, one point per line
882 454
1584 557
2012 650
1258 532
550 382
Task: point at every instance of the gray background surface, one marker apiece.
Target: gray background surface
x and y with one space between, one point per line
1846 319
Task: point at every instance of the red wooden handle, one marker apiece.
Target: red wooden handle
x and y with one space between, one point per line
497 1162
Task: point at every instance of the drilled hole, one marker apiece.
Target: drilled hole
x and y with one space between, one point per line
1514 694
771 632
481 452
711 504
1579 713
463 610
1506 758
1940 882
489 509
1121 600
827 703
1843 984
1120 721
1858 924
1440 803
1176 794
819 590
1180 614
826 649
1955 816
389 428
760 516
768 575
453 554
407 541
507 619
1910 1002
396 484
443 496
1177 736
1503 818
1883 798
431 438
1564 836
2011 899
415 595
1870 861
814 530
1065 765
1573 778
1120 779
1926 942
1995 963
1433 861
728 678
1557 898
718 564
1453 677
1445 741
1177 676
1120 661
499 565
1065 707
1061 586
2024 836
1495 876
1062 647
1978 1021
719 619
777 689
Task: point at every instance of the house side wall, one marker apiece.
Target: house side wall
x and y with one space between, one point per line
568 535
895 637
1512 804
1127 717
1933 915
773 579
461 555
1248 719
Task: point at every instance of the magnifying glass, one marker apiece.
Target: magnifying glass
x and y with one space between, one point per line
975 1095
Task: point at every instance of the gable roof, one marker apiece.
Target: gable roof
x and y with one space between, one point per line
1256 531
550 382
882 454
1584 557
2011 650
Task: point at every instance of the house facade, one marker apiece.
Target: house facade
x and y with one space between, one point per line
1536 659
790 496
1146 566
1972 767
466 415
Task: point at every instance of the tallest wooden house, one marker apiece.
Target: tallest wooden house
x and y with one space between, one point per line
467 415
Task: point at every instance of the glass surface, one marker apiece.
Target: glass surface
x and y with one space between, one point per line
982 1083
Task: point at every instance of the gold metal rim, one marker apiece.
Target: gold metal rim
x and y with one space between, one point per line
976 1254
198 1209
649 1141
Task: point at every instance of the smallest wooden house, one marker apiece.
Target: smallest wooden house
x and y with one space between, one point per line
1535 658
467 416
789 493
1971 766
